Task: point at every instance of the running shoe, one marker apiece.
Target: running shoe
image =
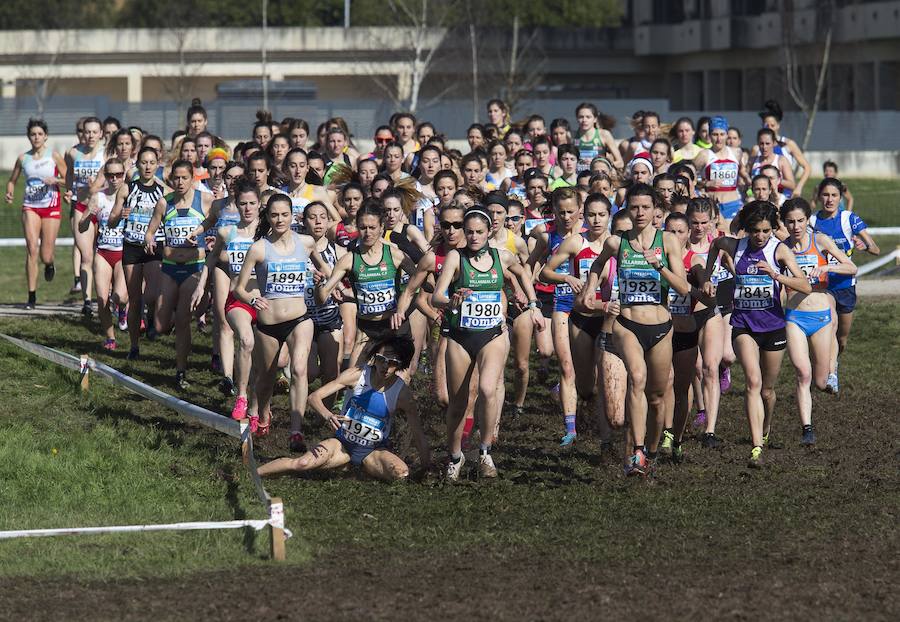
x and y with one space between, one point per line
756 459
181 380
87 309
134 354
639 463
518 411
201 324
226 386
123 319
668 440
486 466
699 422
455 468
76 288
831 385
771 444
215 364
568 440
725 379
151 331
29 306
710 441
49 272
297 443
254 423
809 436
109 344
240 409
677 454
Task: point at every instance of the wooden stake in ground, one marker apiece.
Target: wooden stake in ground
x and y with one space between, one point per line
85 373
276 515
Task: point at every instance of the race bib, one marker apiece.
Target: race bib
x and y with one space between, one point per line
725 174
720 273
531 223
237 251
36 192
481 310
807 263
639 285
678 304
375 297
754 291
227 219
298 208
286 278
362 428
109 236
178 229
136 227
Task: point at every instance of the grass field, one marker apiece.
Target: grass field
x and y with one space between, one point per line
559 534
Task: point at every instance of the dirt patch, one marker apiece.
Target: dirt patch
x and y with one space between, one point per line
361 584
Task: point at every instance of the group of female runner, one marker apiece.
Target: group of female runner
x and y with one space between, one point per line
645 268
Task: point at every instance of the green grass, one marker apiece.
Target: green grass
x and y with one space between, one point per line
123 460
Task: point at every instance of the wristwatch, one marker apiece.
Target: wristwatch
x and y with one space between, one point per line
253 301
535 304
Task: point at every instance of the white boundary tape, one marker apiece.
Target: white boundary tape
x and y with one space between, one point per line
883 230
205 417
874 265
275 521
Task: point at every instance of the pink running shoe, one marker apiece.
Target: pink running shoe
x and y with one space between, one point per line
725 379
240 409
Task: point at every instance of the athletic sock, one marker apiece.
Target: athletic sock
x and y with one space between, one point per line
32 297
570 424
467 428
455 458
485 450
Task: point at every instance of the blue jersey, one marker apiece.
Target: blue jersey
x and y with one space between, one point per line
563 294
370 416
841 228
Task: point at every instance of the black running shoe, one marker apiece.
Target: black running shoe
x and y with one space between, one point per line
181 380
49 272
809 436
710 441
226 386
134 354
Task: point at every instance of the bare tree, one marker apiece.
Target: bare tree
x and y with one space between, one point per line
43 83
792 70
525 69
181 86
422 34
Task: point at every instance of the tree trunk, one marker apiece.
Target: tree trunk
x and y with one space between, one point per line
820 85
474 74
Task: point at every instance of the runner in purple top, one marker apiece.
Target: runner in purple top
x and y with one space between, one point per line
759 337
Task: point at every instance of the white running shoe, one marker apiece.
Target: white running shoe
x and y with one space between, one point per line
455 468
486 466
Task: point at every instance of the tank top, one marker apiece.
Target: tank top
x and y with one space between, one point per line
561 291
141 201
108 238
369 412
583 262
758 164
298 206
179 222
343 237
757 296
236 248
283 275
85 168
516 189
325 312
682 305
721 172
639 282
375 286
37 193
810 258
588 149
483 307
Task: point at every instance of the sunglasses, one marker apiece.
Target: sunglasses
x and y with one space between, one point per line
383 141
513 218
446 224
381 358
115 175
